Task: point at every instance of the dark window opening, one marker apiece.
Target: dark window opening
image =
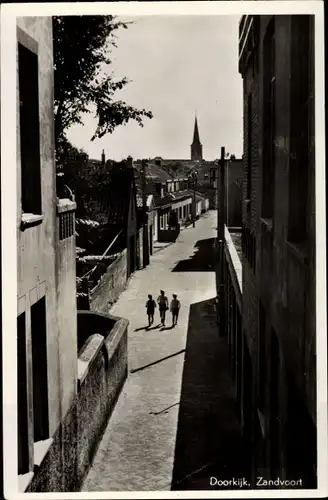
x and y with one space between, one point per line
249 246
247 393
301 453
40 374
28 74
239 356
22 419
301 77
275 445
249 148
269 105
262 380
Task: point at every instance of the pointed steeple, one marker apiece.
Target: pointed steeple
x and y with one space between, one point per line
196 133
196 147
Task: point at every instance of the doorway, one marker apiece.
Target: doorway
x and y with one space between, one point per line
151 240
132 255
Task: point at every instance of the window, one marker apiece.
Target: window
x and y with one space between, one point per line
262 361
274 389
161 222
22 419
248 242
269 105
29 129
249 148
301 80
66 224
39 369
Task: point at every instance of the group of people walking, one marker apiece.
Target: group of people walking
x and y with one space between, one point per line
163 306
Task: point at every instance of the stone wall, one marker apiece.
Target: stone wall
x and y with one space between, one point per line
102 371
110 286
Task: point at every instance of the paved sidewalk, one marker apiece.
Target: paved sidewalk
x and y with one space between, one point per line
138 448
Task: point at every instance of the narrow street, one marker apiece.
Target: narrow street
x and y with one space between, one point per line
148 443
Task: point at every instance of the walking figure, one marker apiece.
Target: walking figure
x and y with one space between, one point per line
163 306
150 306
175 308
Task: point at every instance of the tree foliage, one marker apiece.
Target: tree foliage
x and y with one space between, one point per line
82 48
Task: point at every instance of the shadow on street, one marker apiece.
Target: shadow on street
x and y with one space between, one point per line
201 261
147 328
208 441
156 362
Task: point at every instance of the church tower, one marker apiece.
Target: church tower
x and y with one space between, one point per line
196 147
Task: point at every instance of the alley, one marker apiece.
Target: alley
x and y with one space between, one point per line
138 450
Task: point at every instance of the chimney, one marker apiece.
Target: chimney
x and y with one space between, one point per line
103 157
129 162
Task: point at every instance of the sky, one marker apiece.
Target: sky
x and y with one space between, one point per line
177 66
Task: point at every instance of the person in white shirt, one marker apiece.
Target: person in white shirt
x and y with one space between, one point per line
175 308
163 306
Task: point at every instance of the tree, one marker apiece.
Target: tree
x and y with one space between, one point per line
82 46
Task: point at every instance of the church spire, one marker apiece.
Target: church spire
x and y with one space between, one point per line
196 147
196 133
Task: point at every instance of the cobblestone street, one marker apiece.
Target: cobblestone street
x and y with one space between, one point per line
138 450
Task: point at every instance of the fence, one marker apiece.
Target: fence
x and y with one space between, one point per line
233 310
111 285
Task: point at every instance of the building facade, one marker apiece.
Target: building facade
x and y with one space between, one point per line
234 171
68 361
121 207
278 346
46 321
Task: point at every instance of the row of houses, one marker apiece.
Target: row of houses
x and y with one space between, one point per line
143 208
204 173
270 266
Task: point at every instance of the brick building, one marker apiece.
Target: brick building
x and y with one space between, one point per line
277 349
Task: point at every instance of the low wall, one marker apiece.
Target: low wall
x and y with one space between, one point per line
102 371
110 286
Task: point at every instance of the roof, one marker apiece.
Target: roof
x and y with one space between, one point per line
162 174
200 196
171 198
